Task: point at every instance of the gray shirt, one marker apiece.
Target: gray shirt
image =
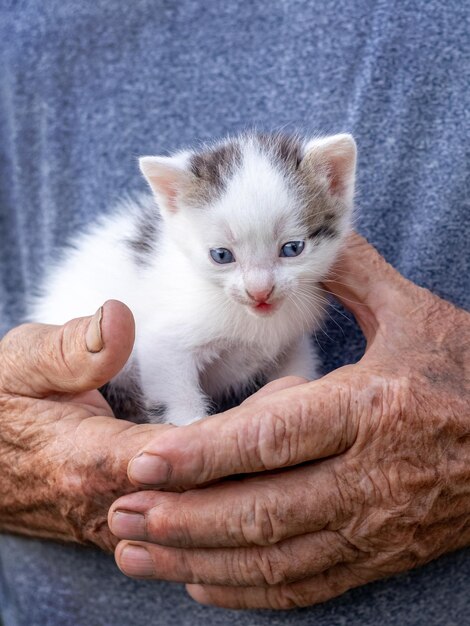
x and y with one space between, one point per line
86 87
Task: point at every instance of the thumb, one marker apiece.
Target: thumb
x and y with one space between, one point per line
368 286
85 353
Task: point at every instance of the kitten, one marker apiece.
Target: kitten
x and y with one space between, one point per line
221 269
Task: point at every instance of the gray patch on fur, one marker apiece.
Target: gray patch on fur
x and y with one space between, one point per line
322 213
308 179
284 149
215 166
126 402
158 411
212 169
324 231
143 242
322 209
125 397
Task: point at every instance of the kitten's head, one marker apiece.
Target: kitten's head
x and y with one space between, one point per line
262 216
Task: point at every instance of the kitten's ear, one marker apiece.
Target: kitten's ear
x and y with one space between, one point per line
335 157
167 177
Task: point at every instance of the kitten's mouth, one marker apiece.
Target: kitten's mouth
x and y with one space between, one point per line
263 308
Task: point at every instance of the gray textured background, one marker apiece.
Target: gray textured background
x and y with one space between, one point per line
85 87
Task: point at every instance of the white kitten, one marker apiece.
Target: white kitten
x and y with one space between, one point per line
221 272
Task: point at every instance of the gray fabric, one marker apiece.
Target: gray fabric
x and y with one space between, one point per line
85 87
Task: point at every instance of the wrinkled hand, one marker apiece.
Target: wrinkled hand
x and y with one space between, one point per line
392 488
63 456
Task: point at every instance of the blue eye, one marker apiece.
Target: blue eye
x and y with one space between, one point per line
292 248
222 255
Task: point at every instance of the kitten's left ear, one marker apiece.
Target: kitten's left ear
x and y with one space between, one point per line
168 177
335 158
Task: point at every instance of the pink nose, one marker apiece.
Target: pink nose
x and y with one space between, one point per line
260 295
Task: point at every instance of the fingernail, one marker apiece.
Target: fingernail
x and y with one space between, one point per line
198 593
94 340
128 525
149 469
136 561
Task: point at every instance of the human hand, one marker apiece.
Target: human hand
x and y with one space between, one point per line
63 456
375 458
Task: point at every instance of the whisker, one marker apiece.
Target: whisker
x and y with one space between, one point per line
317 287
325 311
319 302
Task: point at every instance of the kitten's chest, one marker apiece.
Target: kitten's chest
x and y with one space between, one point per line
225 365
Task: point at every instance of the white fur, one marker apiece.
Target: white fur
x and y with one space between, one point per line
197 333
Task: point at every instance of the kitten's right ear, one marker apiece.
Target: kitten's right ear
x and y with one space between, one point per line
167 177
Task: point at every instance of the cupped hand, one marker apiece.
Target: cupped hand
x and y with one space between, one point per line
341 481
63 456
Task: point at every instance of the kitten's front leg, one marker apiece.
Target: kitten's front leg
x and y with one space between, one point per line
170 384
300 361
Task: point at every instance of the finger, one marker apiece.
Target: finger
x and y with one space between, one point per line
276 385
313 590
291 560
368 286
289 427
87 458
103 443
83 354
260 511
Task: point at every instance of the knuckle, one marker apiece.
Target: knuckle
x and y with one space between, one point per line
348 549
255 567
286 597
277 441
169 525
257 520
349 496
266 568
15 351
266 524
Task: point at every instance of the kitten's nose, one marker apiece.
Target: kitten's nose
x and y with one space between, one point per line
260 295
